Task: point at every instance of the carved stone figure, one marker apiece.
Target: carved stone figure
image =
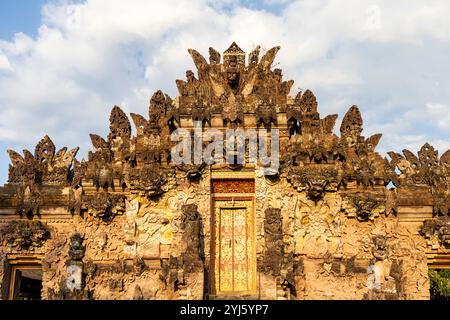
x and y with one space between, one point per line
315 182
265 114
193 171
150 181
437 231
104 206
190 226
274 250
29 201
384 282
364 208
380 248
24 235
73 288
77 249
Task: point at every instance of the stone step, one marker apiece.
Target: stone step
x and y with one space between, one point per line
233 297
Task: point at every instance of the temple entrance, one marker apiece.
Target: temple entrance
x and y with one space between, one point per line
233 244
26 282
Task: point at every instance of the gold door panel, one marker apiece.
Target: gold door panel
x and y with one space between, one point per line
235 253
226 250
240 251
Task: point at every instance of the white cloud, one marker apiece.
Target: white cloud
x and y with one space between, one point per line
21 45
4 63
385 56
440 113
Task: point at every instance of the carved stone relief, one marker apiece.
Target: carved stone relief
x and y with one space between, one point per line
326 225
25 235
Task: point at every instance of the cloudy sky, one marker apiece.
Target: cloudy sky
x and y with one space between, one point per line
64 64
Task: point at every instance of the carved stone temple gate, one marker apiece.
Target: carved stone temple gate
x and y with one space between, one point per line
234 243
130 223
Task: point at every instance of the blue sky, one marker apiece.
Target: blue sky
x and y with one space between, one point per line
25 15
65 64
19 16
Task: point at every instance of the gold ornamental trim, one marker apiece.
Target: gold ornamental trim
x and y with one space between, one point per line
232 175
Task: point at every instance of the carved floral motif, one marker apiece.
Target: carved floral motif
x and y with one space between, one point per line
425 168
45 166
25 235
233 186
437 232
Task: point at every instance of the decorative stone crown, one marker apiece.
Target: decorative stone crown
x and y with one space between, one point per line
243 94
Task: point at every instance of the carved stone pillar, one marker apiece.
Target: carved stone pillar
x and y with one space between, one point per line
276 268
190 273
73 285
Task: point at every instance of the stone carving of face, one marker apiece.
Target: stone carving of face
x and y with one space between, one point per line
233 62
316 189
233 73
76 241
380 250
153 182
264 111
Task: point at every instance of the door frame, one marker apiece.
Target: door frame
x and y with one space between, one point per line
237 198
14 262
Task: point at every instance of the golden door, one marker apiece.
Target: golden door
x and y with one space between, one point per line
235 258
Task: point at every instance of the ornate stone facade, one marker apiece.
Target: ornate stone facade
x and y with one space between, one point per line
336 221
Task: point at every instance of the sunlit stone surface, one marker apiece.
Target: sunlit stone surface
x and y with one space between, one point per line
129 223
